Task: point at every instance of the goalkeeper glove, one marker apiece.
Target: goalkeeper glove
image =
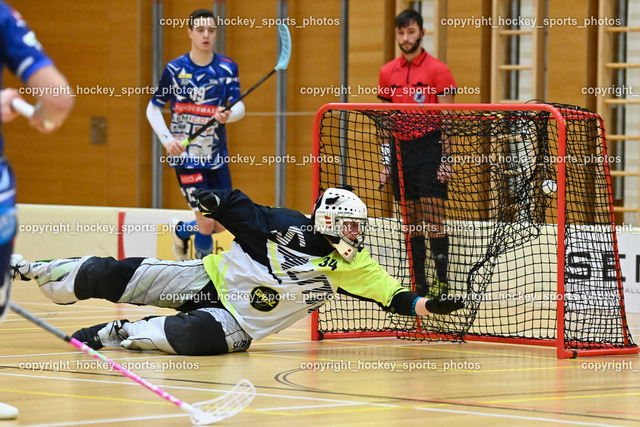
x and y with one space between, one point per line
207 201
444 304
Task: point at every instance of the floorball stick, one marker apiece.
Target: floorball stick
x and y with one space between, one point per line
27 110
283 62
202 413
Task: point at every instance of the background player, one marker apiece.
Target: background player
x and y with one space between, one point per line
281 267
417 77
198 85
22 53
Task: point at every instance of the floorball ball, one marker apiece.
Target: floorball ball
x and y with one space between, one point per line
549 186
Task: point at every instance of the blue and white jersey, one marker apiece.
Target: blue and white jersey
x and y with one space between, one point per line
20 50
195 93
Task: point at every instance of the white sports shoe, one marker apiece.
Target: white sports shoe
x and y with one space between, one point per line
180 246
7 412
20 268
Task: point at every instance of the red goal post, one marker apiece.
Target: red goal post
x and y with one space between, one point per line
569 289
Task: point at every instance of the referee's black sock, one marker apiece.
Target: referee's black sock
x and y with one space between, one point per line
440 253
418 256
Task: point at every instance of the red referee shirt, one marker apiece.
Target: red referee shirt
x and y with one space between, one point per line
419 81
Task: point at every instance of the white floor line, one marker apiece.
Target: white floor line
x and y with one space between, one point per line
105 421
95 319
85 310
516 417
85 359
51 305
10 356
333 405
337 341
294 350
329 348
123 382
167 387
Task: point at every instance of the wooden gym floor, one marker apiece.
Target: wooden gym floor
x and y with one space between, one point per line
355 382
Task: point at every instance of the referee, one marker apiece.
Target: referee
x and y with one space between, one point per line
417 77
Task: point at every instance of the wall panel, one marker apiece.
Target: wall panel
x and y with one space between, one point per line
108 44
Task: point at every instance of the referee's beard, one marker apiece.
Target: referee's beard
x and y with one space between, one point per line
412 48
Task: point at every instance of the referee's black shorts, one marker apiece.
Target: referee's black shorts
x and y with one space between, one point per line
421 159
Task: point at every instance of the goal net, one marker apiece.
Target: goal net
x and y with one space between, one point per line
526 212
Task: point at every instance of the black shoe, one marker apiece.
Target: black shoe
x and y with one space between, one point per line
90 336
439 288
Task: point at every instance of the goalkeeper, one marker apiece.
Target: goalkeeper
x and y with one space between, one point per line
281 267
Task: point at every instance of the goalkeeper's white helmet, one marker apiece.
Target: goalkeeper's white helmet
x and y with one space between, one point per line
342 217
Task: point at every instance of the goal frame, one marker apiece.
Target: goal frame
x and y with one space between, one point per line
556 115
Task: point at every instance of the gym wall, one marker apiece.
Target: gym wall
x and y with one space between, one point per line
102 46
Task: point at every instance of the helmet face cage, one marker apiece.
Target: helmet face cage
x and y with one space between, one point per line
333 209
339 225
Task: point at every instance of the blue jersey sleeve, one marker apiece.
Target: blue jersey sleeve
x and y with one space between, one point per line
234 85
21 51
162 94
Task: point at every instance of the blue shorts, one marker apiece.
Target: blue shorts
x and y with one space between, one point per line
208 179
8 226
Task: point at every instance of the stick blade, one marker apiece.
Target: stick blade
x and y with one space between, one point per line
225 406
285 47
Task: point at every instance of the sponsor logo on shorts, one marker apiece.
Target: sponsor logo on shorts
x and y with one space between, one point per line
264 298
191 178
